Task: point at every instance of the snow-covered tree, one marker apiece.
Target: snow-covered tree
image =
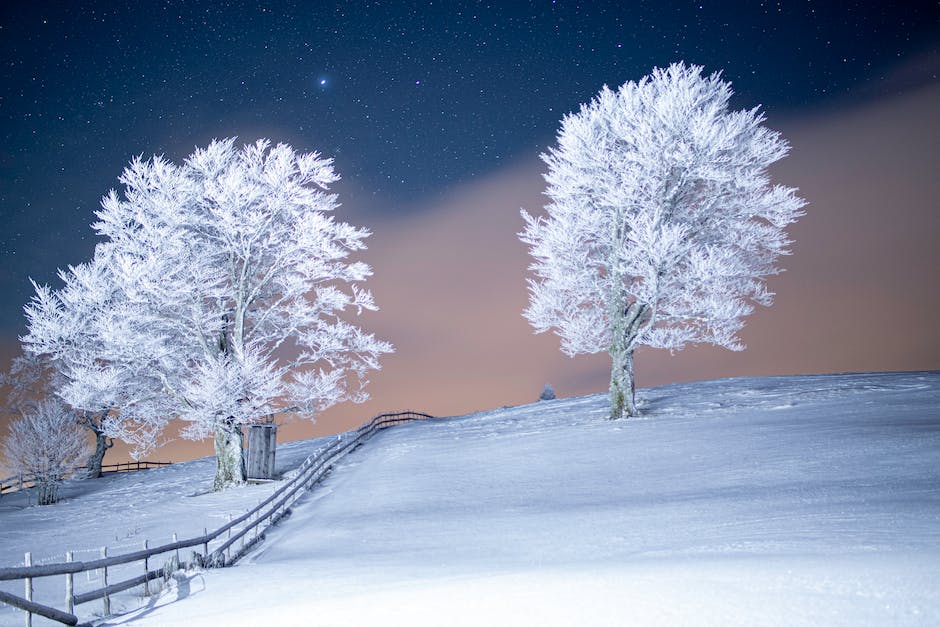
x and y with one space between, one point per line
47 444
662 223
111 392
235 280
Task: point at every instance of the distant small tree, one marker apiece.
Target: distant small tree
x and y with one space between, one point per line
548 393
662 224
46 443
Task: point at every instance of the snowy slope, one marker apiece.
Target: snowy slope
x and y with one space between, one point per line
120 511
789 500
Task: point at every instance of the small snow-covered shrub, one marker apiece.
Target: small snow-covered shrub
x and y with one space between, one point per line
47 444
548 393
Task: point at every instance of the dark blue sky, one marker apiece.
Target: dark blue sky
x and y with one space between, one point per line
410 98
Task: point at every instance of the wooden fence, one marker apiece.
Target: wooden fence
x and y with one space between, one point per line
21 482
231 540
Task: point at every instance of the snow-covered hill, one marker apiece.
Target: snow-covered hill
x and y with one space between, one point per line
787 500
121 511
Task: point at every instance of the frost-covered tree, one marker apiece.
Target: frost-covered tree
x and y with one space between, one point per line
47 444
111 391
236 281
662 223
30 379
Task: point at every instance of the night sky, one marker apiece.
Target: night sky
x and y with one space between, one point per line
435 114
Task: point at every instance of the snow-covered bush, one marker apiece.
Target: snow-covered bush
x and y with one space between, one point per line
548 393
662 224
47 444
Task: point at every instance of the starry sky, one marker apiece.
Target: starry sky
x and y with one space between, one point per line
435 113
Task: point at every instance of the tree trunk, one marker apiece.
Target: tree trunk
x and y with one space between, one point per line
47 490
102 444
622 387
230 464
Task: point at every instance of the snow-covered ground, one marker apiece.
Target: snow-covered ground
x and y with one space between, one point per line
787 500
120 511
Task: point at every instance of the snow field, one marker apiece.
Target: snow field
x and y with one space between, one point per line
762 501
120 511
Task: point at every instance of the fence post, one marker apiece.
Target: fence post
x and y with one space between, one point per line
205 545
175 540
69 586
228 551
28 583
29 496
146 570
106 599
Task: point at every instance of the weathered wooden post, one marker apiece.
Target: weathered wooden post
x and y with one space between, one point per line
205 545
146 570
106 599
28 583
262 443
69 586
29 496
227 555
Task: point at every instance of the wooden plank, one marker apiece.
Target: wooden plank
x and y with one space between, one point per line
49 570
36 608
120 586
262 444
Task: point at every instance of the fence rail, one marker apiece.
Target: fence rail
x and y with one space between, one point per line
24 481
233 539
